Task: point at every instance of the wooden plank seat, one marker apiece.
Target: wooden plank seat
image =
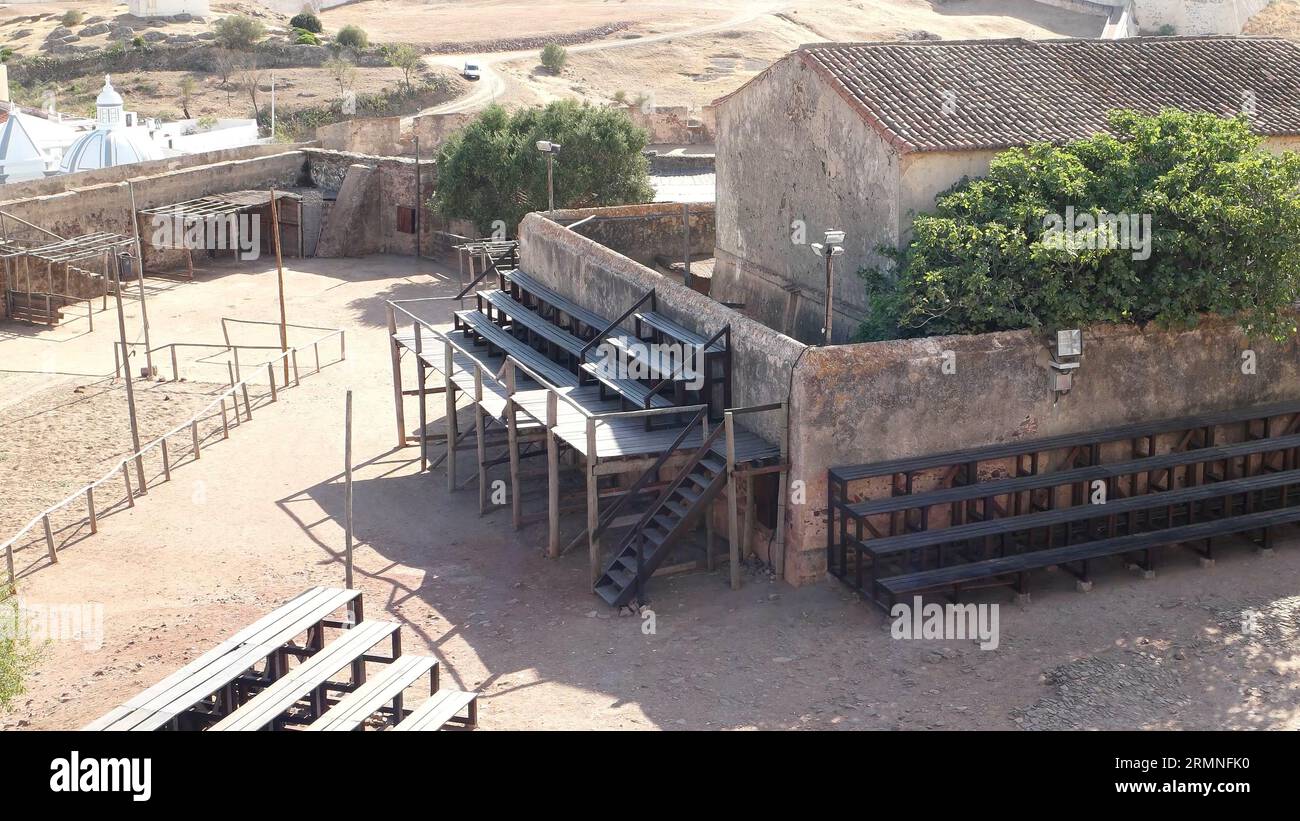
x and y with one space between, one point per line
206 676
664 326
848 473
580 321
379 692
654 362
631 391
441 709
954 576
500 338
1150 503
312 676
990 489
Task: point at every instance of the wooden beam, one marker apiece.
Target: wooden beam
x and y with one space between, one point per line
552 478
395 352
733 530
593 504
450 393
516 493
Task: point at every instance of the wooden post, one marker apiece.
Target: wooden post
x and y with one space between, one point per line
395 353
482 444
130 390
452 433
315 347
710 561
239 372
593 503
270 373
167 464
279 279
347 491
552 477
516 503
225 421
686 244
126 477
293 354
9 563
248 407
733 530
49 539
176 374
194 437
421 375
139 253
90 509
778 546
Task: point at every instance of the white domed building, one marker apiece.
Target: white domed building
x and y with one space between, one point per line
116 140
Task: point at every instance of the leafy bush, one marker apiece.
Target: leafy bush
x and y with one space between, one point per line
1015 249
406 58
72 17
16 651
303 37
352 37
306 21
491 170
554 57
239 33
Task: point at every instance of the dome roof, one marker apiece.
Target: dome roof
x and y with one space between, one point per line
104 148
109 95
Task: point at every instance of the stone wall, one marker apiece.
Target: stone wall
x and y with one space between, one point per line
676 124
839 174
395 188
643 232
855 404
381 136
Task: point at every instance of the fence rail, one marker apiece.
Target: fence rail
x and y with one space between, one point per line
235 390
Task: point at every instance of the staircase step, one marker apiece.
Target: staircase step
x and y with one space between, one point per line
623 578
690 495
667 520
714 464
654 535
609 592
677 507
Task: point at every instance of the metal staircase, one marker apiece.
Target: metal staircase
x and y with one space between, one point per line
668 518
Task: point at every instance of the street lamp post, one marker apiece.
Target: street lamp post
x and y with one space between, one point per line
550 149
833 247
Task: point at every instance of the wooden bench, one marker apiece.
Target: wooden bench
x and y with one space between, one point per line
205 678
661 326
443 708
312 677
955 576
475 323
630 391
976 496
382 691
580 322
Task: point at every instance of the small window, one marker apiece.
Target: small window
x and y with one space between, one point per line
405 220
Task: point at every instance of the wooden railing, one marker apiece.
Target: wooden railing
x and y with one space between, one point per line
234 392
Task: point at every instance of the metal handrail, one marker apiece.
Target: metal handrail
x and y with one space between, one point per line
674 484
155 443
703 349
582 354
608 517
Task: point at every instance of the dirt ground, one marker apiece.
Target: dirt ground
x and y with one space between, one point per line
1280 19
258 519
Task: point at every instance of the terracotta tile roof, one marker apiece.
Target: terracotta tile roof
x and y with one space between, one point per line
990 94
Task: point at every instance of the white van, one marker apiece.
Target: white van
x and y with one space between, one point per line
470 72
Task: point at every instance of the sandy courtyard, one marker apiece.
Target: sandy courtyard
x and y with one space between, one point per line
258 519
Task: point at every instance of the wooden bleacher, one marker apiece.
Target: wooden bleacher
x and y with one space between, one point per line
248 683
999 529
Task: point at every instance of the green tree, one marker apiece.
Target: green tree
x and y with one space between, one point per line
72 17
1222 215
352 37
554 57
491 170
406 58
239 33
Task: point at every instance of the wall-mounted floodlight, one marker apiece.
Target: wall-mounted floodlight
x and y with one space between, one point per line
833 247
1065 359
550 149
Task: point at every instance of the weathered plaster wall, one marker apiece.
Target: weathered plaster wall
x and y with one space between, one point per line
854 404
394 187
370 135
836 174
925 175
643 232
